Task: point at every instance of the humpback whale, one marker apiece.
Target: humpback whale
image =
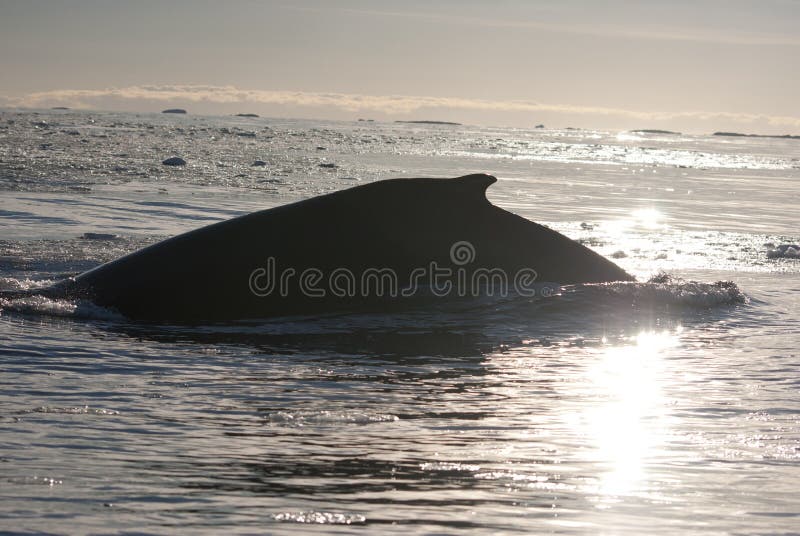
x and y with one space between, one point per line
377 246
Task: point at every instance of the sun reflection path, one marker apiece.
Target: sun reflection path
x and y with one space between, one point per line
627 425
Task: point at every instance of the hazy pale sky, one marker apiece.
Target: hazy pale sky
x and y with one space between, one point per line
695 66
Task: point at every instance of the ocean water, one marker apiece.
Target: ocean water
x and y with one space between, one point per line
666 406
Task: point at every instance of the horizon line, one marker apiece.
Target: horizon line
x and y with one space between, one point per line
391 106
721 133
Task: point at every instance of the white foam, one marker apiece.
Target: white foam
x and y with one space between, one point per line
668 291
449 466
41 305
78 410
303 418
322 518
36 481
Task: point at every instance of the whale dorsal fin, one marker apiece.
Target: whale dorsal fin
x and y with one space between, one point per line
475 185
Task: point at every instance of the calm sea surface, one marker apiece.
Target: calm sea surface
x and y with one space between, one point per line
669 406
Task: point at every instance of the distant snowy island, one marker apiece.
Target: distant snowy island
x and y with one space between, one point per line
740 135
427 122
655 131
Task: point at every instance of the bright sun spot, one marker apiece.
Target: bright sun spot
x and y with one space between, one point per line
626 426
649 218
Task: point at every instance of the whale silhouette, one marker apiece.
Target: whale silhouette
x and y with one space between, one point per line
384 245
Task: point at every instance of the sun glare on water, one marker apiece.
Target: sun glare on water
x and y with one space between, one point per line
649 218
641 219
627 424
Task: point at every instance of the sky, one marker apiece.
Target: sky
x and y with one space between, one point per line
691 66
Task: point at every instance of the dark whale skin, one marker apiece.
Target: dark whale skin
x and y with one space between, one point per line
400 224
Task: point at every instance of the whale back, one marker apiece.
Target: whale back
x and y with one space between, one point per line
400 225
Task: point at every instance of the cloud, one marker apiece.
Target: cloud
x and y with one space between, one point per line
390 105
652 31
